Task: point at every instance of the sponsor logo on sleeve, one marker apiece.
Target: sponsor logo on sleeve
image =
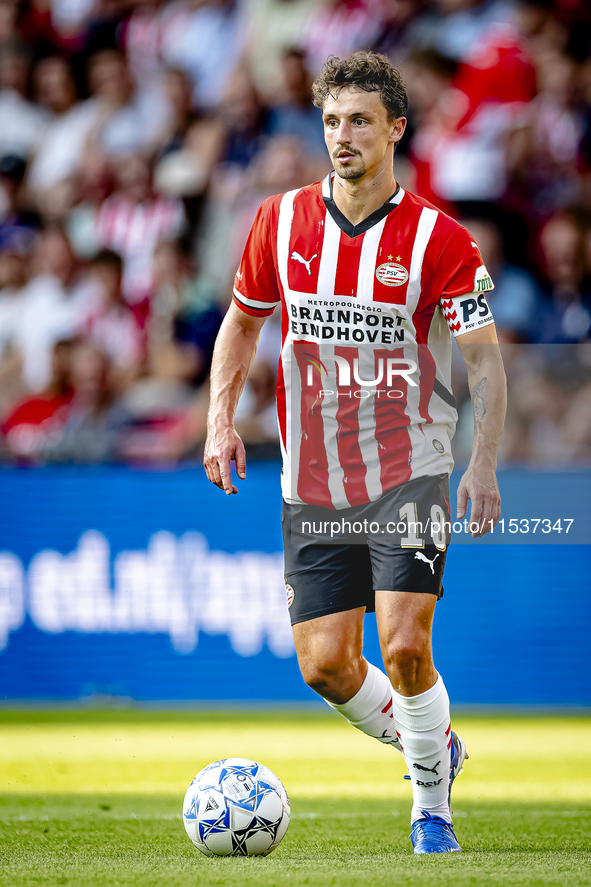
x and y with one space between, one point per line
474 312
482 280
471 311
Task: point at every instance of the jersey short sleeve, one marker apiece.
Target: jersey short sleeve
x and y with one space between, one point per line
255 286
463 283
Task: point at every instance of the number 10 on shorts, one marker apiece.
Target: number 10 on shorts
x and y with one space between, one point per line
413 527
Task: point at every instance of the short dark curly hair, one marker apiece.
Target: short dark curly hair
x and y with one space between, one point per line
368 71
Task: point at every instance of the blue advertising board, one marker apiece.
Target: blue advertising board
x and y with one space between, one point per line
152 585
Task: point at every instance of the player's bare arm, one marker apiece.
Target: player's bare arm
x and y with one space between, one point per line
488 390
233 355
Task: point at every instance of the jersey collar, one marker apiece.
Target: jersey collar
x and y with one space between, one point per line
343 223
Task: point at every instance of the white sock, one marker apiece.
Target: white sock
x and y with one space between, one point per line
424 730
370 710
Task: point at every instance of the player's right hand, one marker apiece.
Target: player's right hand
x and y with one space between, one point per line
222 447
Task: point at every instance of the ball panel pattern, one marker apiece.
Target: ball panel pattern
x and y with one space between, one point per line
236 807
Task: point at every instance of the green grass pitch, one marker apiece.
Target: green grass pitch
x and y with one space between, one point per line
94 799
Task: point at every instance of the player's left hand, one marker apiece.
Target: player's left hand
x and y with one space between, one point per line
481 488
222 447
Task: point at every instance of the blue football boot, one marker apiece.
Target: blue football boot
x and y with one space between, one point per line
458 756
432 834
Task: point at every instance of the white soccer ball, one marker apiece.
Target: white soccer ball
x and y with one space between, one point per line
236 807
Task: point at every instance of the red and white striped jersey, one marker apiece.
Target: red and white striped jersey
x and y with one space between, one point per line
363 389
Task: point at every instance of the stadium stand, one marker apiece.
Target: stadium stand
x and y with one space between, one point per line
138 138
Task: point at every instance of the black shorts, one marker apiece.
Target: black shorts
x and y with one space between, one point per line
337 560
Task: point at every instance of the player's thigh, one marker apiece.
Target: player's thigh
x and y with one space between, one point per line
331 641
323 577
405 622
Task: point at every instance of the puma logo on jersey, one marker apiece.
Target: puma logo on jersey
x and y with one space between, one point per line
298 258
419 556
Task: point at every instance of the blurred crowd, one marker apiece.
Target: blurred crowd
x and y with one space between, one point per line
138 137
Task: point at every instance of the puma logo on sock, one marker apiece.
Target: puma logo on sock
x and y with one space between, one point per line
428 769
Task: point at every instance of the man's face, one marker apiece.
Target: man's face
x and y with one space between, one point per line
357 132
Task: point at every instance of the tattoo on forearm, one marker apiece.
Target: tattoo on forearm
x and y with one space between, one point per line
478 404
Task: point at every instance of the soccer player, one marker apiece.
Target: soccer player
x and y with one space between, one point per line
371 280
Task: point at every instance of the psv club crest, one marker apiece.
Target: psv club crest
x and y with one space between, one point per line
392 274
290 593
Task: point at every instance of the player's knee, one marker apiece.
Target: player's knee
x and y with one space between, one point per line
323 675
407 655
